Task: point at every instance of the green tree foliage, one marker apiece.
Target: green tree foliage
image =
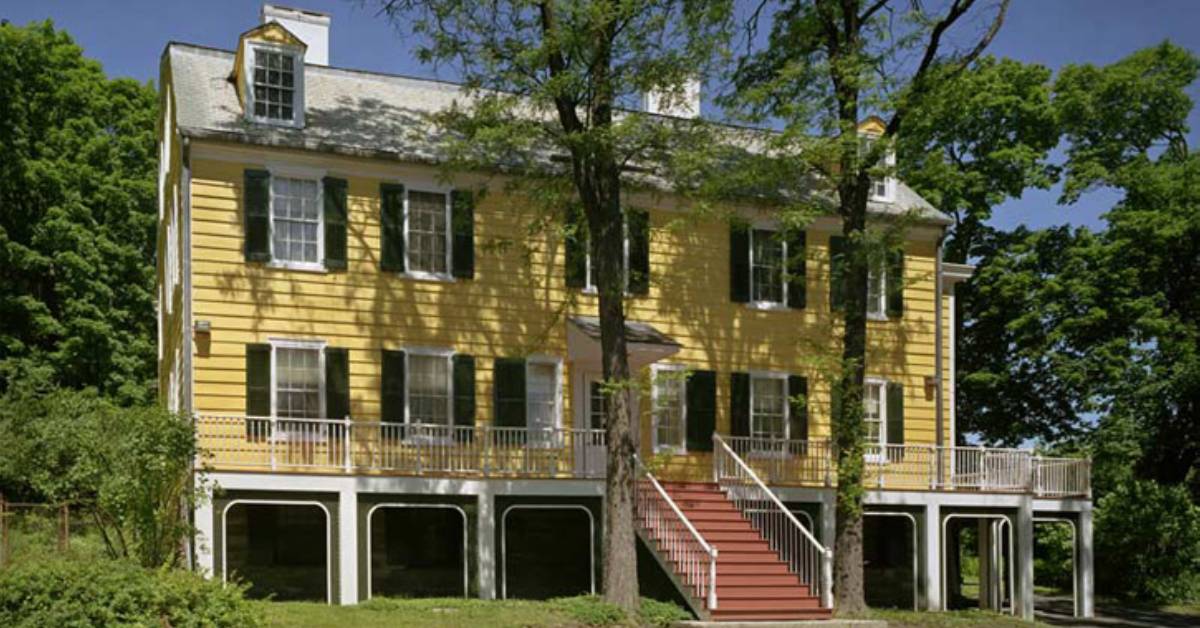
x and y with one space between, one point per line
77 218
129 468
1152 532
824 66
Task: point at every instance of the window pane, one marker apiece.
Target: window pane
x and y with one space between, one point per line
427 231
298 383
668 409
541 396
876 293
429 389
597 405
769 407
296 221
274 77
873 412
766 257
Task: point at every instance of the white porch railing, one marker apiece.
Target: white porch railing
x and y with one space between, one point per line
695 561
351 446
804 555
918 467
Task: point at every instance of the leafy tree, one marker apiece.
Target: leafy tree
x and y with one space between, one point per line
546 82
129 468
825 65
77 218
1155 530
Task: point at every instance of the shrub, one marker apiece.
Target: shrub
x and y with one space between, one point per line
590 610
1150 534
117 593
656 613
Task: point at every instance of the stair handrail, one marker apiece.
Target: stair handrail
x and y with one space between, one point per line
803 553
698 573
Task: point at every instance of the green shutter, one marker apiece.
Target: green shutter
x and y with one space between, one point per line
334 191
639 251
575 246
701 419
258 390
739 404
391 227
464 396
508 389
256 196
462 223
391 388
837 268
337 383
895 284
895 413
797 271
797 407
739 262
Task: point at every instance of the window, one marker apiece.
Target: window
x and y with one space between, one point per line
877 290
541 400
768 407
298 376
296 232
875 413
669 409
429 389
597 404
767 254
881 187
428 232
591 268
275 84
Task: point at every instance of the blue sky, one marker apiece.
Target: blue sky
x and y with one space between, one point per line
128 37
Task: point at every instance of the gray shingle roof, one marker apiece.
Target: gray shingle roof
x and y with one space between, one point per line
356 113
641 333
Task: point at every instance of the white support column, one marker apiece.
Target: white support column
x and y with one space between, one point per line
485 543
931 557
1024 560
348 546
205 538
1084 571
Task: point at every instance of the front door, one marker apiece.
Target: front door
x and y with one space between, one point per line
591 405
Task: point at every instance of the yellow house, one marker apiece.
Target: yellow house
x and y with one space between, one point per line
395 377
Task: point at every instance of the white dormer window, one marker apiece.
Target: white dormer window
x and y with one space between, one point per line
275 84
883 189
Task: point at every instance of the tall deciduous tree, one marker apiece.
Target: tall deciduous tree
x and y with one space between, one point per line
547 80
77 218
824 66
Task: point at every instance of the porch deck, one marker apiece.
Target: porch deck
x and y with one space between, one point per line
240 443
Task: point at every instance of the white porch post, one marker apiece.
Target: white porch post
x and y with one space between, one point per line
931 554
485 543
204 538
1024 559
348 545
1084 586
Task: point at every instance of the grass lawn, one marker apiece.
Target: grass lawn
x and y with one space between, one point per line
923 619
580 611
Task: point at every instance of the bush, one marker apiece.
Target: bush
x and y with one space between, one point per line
1148 543
656 613
590 610
117 593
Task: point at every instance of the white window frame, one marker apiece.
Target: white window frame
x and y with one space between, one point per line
889 183
881 276
448 356
783 276
408 266
554 439
882 384
589 287
679 448
286 171
787 408
298 72
283 435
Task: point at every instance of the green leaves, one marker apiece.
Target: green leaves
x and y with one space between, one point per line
77 218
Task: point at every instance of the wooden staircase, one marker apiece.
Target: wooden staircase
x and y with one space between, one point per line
753 583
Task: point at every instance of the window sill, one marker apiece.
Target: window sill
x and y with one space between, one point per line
307 267
879 318
283 124
768 306
420 275
591 291
673 450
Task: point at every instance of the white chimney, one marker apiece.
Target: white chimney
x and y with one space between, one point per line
312 27
682 105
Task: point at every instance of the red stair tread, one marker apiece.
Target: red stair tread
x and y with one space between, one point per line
811 613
